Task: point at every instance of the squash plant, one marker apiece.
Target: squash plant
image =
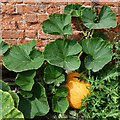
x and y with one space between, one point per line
41 76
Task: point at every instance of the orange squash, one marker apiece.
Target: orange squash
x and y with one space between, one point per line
77 89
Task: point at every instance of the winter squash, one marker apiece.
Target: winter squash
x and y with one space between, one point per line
77 89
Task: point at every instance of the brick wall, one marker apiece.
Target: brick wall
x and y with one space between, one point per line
21 20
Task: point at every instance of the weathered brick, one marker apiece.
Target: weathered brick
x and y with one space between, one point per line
12 34
30 33
42 43
30 9
17 34
16 18
7 8
53 9
9 25
15 1
23 41
11 41
31 18
42 35
26 8
31 1
76 35
21 19
42 17
6 18
42 8
35 26
55 1
4 1
19 9
21 25
116 29
6 34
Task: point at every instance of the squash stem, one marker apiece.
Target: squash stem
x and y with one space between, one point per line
84 33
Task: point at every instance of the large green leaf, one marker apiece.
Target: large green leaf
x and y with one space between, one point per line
73 9
59 101
99 53
57 24
3 47
25 80
53 74
7 104
63 53
23 57
14 114
37 105
25 94
15 98
4 86
106 18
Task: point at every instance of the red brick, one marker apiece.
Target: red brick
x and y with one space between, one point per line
19 8
4 1
76 35
6 18
35 26
42 8
17 34
53 9
55 1
62 9
118 19
16 18
6 34
23 41
116 29
30 18
9 25
42 35
15 1
31 1
30 9
11 41
42 17
30 33
26 8
42 43
7 8
21 25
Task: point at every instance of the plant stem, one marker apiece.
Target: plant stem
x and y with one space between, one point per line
12 84
81 27
89 74
65 37
92 33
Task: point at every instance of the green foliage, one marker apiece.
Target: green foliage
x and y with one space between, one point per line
37 105
25 80
104 99
58 24
4 86
73 9
3 47
59 101
53 74
15 98
23 57
63 53
9 103
99 53
41 76
105 19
